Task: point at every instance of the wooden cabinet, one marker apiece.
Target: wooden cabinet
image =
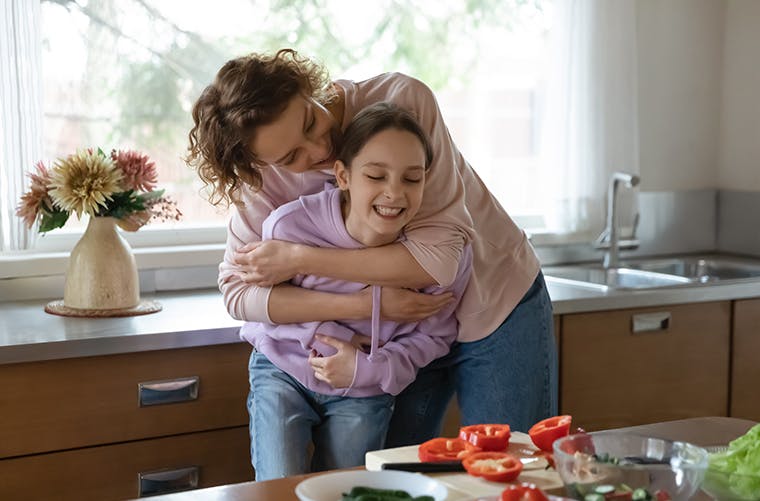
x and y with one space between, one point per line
675 366
745 357
75 428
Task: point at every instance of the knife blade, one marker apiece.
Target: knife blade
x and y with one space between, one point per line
427 467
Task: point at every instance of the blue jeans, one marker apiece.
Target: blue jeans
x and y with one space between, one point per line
286 419
510 377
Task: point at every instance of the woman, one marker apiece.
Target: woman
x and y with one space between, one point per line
266 131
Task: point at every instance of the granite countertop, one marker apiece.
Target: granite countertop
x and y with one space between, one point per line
198 318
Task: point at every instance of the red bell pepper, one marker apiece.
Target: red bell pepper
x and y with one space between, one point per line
545 432
445 449
489 437
493 466
523 492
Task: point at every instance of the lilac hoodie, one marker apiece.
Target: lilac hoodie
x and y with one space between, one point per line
398 350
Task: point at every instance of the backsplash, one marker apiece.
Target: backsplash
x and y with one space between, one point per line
739 222
678 222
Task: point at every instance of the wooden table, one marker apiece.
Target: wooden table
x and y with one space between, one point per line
704 431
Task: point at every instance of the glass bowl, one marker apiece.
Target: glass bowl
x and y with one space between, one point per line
732 486
604 465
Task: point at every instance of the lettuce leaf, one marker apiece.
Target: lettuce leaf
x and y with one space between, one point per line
741 464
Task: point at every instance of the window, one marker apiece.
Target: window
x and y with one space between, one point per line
124 74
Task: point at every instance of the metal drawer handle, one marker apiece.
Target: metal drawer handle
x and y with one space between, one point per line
650 322
155 482
168 391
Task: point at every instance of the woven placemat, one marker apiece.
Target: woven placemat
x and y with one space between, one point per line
144 307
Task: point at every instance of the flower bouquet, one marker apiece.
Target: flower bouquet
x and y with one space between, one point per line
120 185
116 189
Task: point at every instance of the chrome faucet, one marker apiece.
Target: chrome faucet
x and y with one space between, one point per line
609 239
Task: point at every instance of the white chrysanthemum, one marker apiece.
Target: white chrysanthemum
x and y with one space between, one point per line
83 181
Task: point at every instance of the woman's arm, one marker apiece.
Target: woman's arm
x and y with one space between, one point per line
291 304
273 261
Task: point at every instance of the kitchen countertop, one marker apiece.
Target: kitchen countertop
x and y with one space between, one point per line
198 318
702 431
188 318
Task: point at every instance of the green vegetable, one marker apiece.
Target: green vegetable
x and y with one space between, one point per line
361 493
641 495
741 463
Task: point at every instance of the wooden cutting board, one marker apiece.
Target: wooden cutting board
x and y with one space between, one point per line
464 486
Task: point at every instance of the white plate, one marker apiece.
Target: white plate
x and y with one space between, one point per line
330 486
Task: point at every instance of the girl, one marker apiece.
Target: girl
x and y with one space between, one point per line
266 131
300 394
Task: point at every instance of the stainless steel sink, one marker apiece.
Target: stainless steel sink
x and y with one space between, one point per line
702 269
597 277
649 273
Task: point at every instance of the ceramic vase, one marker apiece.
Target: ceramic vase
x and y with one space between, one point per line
102 273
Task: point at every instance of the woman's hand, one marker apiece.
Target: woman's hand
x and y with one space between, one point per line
268 262
336 370
406 305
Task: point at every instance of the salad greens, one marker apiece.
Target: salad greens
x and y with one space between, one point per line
741 464
361 493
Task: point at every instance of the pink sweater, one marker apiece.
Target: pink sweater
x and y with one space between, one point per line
398 350
456 207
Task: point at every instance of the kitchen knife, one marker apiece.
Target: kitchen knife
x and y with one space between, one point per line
427 467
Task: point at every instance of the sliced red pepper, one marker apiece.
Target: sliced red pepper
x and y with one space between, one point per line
489 437
523 492
546 431
581 442
493 466
445 449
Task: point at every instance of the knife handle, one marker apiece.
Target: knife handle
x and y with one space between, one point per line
429 467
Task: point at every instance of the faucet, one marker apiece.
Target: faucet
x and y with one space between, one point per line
609 238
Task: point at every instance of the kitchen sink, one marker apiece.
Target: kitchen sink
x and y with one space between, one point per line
597 277
702 269
647 273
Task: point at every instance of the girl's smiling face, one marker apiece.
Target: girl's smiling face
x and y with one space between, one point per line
385 183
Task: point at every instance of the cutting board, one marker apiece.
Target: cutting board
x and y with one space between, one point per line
464 486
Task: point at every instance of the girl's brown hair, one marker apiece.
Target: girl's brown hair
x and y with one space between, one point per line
375 119
247 92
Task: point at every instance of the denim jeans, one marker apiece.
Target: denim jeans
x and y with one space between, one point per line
510 377
286 419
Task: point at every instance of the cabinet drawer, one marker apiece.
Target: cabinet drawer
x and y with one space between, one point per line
675 366
111 472
65 404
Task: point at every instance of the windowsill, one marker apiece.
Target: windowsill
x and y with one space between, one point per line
36 264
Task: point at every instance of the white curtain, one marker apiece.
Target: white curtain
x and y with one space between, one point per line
591 124
20 113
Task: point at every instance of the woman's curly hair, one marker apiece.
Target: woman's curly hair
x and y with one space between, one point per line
247 92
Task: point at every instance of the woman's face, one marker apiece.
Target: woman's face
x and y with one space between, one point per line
304 137
385 183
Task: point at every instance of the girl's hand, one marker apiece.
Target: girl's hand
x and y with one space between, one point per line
268 262
406 305
361 342
336 370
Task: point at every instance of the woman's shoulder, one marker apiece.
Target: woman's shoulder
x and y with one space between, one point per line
396 87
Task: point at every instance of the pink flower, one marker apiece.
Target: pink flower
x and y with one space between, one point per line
163 209
139 172
37 198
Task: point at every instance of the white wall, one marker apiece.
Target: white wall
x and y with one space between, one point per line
680 66
739 147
